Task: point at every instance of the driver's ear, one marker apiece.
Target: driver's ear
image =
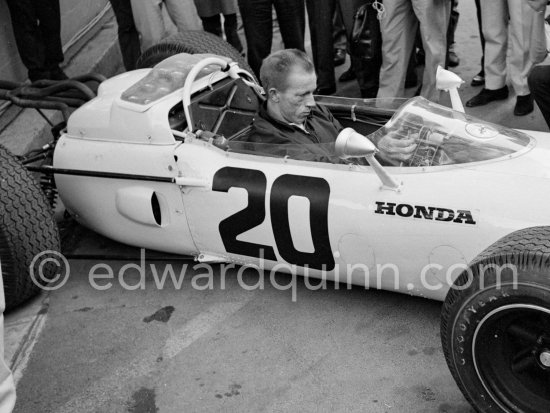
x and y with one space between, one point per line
273 95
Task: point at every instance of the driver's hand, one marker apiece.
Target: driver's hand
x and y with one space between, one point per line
395 149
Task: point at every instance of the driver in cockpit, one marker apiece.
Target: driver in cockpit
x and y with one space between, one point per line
292 123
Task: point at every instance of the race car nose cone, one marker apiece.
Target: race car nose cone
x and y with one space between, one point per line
351 144
545 358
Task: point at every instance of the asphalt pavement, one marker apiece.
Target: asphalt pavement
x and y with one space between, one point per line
132 343
132 346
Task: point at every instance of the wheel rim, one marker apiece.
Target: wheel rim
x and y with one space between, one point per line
511 353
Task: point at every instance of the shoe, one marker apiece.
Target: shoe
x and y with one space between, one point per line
339 57
452 59
347 75
524 105
488 95
325 90
479 79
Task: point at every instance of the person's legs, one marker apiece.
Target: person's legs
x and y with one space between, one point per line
494 14
411 79
128 37
522 21
27 37
398 27
495 17
149 21
230 30
452 59
519 64
432 17
185 18
291 16
366 71
481 37
258 27
339 39
539 84
321 13
212 24
49 16
479 79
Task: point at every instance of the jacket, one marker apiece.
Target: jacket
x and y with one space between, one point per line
283 139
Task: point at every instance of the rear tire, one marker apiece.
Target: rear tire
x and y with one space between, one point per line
192 42
27 228
495 325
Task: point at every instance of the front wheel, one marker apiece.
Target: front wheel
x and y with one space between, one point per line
27 229
495 325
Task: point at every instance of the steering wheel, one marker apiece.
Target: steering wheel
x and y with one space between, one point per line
429 150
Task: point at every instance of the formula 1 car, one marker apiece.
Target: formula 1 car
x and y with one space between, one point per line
162 158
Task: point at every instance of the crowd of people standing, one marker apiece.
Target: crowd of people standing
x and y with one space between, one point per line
402 35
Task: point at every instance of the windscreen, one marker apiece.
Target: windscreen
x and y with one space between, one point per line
443 136
447 137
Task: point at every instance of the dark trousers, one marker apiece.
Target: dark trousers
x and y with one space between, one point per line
213 24
128 36
258 27
451 28
481 37
539 85
36 26
339 38
453 22
321 30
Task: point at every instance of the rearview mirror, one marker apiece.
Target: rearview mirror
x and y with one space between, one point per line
449 81
350 144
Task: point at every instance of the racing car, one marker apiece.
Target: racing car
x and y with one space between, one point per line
162 159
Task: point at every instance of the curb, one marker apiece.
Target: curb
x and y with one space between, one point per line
21 333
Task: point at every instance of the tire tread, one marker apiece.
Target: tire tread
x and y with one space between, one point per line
193 42
26 228
527 248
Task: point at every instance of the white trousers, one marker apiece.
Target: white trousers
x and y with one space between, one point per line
504 20
398 27
155 19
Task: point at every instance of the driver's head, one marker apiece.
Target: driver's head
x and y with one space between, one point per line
288 76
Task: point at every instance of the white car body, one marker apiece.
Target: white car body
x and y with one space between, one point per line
318 219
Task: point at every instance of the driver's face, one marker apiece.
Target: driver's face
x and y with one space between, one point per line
296 101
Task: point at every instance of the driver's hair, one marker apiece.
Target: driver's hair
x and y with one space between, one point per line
276 67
